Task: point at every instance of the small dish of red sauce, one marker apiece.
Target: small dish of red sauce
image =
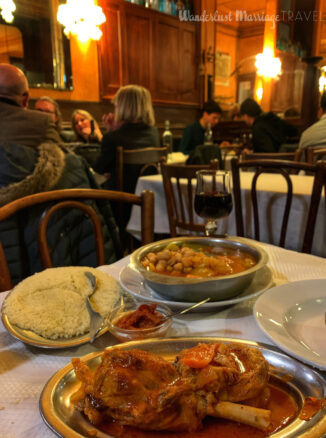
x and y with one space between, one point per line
140 321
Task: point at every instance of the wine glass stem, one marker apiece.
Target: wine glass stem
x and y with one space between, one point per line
210 228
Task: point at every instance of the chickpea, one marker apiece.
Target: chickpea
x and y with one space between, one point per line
164 255
187 261
178 267
145 263
187 270
160 267
151 257
178 256
172 260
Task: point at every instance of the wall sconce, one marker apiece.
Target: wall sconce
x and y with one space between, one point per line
267 65
7 7
81 18
322 79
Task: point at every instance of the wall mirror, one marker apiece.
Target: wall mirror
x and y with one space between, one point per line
35 42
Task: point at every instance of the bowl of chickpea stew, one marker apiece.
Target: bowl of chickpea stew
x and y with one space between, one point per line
193 268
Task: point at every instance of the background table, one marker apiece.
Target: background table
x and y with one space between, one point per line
24 370
271 200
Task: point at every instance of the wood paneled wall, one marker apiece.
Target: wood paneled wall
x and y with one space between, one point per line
142 46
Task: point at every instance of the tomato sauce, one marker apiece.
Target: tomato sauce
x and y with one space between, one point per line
310 407
145 316
283 411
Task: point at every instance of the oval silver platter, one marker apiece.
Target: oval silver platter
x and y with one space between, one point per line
61 416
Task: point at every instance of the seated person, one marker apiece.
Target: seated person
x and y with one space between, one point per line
86 127
47 105
315 135
18 124
27 170
132 127
268 130
194 134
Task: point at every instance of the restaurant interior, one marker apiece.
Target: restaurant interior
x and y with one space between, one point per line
207 318
182 62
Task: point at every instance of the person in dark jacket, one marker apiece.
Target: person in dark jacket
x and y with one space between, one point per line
194 134
131 127
25 171
268 130
18 124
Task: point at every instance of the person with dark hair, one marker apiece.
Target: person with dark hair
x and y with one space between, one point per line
193 135
268 130
315 135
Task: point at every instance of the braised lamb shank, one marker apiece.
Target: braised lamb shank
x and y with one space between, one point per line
140 389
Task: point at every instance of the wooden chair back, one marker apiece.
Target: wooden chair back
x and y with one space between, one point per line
314 154
145 157
73 198
179 192
283 168
290 156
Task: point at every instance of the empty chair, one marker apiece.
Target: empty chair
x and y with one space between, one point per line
56 200
132 163
284 168
179 189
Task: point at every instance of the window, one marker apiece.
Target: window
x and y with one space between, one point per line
34 42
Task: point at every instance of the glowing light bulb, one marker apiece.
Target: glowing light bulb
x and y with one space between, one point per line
267 65
81 18
7 7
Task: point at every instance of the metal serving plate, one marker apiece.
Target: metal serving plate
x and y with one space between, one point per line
31 338
61 416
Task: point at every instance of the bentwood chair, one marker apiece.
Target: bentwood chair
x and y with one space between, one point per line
315 154
74 199
143 160
179 189
290 156
284 168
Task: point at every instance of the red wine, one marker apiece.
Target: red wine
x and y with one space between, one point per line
213 205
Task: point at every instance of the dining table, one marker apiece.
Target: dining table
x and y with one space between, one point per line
271 195
25 369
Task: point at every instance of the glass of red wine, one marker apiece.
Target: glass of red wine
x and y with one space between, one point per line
213 198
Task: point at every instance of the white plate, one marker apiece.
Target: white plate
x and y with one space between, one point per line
293 317
134 283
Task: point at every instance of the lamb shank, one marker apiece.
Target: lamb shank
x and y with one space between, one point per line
141 389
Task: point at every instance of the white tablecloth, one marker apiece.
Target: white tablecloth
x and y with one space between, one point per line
271 200
24 370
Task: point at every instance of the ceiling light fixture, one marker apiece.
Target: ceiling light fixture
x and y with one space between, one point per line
7 7
81 18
